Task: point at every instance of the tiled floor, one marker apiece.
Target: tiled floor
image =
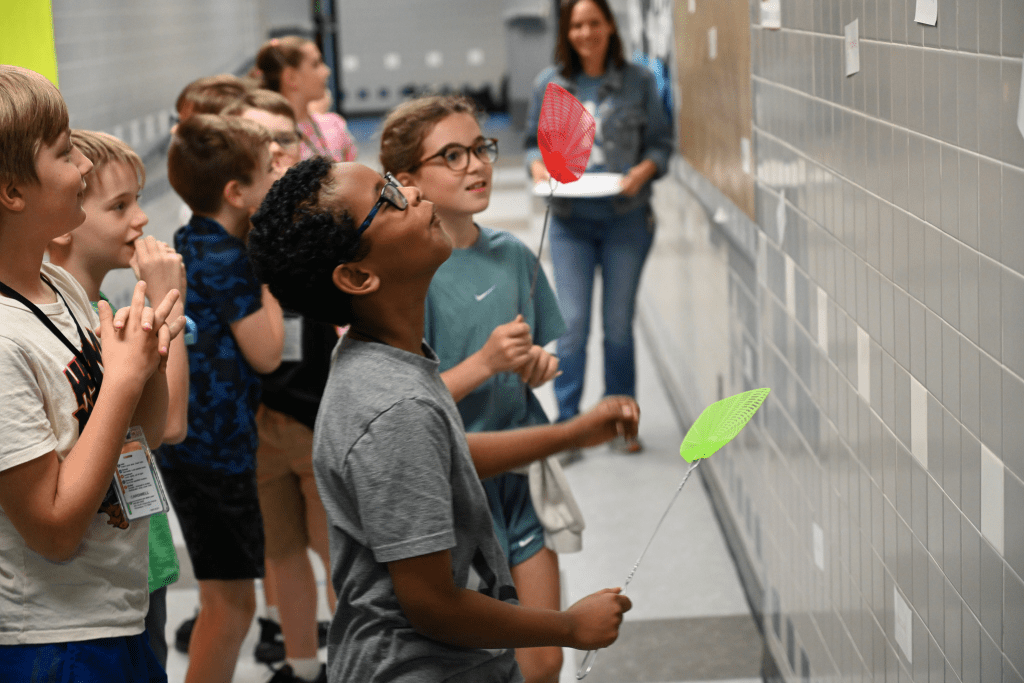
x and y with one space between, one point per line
690 621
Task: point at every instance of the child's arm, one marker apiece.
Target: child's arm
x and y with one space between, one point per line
497 452
52 502
260 335
163 270
439 610
506 349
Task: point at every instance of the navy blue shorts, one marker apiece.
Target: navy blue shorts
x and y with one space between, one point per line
516 524
220 519
127 659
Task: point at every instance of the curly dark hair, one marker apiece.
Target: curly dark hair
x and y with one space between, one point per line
296 243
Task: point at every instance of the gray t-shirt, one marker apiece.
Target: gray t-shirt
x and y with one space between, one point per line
396 478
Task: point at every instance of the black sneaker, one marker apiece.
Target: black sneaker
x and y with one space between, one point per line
286 675
321 633
270 648
183 634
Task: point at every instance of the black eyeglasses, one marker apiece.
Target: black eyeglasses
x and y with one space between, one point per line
456 156
392 194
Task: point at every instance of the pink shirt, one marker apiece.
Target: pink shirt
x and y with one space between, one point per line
327 135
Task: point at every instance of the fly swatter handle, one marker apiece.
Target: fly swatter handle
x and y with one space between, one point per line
587 665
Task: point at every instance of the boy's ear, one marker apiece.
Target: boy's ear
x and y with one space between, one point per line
351 279
11 197
232 194
405 178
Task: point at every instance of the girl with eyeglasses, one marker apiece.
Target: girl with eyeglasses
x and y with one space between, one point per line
489 335
294 67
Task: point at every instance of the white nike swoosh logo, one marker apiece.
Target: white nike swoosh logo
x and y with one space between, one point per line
480 297
526 541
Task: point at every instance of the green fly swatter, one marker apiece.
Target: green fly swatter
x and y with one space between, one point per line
717 425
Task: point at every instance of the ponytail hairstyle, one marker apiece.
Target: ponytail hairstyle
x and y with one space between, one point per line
274 56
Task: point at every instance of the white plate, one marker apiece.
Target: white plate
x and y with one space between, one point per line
589 185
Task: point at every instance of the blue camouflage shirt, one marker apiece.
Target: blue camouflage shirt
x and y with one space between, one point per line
224 390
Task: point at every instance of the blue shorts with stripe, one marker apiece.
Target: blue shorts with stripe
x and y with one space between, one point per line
516 524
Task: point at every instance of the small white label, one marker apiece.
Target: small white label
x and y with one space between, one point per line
904 625
852 48
291 352
721 216
992 510
748 362
434 59
350 63
919 422
864 363
392 61
780 216
475 56
1020 106
823 320
692 6
927 12
713 42
771 14
746 157
819 546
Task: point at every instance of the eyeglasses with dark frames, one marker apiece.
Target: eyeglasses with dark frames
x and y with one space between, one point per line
390 194
456 156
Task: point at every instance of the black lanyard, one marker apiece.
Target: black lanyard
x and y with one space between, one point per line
94 373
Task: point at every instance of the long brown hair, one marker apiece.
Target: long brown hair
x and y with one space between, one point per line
566 57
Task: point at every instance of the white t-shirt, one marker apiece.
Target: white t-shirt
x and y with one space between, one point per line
45 399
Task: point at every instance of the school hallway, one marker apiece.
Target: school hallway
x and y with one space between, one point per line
690 619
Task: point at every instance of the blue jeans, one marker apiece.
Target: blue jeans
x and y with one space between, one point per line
587 239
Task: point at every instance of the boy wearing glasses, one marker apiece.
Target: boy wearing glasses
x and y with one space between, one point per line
424 587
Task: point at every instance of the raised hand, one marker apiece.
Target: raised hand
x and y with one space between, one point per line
613 416
539 368
160 266
508 347
596 618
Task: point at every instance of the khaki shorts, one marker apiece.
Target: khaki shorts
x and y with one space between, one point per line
293 516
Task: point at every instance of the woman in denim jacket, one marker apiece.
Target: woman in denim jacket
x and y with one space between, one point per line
634 137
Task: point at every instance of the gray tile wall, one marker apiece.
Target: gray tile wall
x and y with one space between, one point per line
890 325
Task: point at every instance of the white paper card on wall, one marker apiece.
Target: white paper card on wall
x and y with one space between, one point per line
819 545
992 510
863 364
475 56
713 42
823 320
919 422
1020 106
780 216
746 157
434 59
350 63
852 47
748 362
692 6
790 286
927 12
771 14
903 625
392 61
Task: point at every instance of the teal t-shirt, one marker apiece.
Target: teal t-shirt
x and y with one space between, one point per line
474 291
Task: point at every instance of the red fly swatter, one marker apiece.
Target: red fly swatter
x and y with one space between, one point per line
565 135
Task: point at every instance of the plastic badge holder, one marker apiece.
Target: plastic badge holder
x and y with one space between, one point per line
137 480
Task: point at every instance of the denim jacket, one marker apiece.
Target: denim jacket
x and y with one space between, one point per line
635 128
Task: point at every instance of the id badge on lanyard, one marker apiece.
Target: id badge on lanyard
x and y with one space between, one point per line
137 480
